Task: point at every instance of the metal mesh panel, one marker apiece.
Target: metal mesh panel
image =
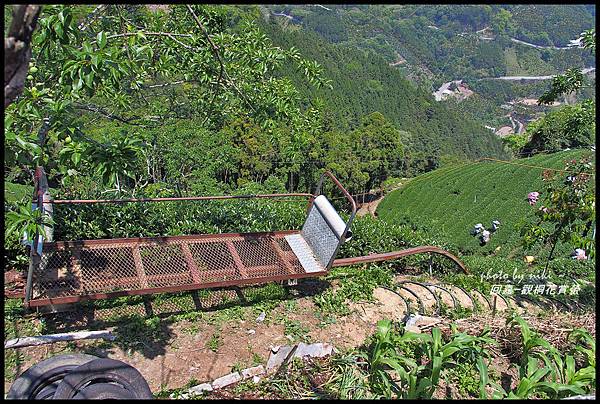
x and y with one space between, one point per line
164 265
103 266
319 236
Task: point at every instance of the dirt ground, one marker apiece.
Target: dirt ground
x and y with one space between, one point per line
185 355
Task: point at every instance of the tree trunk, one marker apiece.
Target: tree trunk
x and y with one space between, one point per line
17 50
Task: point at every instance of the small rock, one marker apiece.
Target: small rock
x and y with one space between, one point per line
276 359
317 350
226 380
253 372
256 379
251 332
413 328
201 388
261 317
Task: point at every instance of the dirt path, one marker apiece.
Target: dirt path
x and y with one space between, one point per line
369 208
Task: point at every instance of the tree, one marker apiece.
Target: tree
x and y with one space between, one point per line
17 50
568 210
572 80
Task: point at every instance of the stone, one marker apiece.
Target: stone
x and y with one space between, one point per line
276 359
256 379
251 332
253 372
226 380
317 350
201 388
413 328
261 317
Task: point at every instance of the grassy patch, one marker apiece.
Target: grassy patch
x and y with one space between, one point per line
215 341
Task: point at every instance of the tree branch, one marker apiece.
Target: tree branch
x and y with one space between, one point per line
98 110
93 14
17 50
215 50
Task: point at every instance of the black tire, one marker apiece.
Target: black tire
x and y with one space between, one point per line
103 391
103 371
42 379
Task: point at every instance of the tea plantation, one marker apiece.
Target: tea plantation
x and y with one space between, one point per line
454 198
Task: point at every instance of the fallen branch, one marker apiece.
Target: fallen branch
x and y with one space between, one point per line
50 339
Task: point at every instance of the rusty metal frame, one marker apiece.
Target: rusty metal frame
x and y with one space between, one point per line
143 281
188 198
352 215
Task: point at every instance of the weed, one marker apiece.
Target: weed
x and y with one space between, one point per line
13 359
466 378
257 359
324 319
355 285
290 305
135 332
214 342
296 330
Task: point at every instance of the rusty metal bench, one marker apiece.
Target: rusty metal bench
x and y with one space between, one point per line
62 272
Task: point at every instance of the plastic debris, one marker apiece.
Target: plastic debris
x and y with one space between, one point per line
226 380
316 350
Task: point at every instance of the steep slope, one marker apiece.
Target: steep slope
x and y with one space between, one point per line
364 82
455 198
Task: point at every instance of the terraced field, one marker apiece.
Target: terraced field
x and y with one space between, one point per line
457 197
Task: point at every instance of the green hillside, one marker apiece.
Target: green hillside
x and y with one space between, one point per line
364 83
457 197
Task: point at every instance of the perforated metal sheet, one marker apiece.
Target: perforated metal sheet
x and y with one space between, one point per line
320 237
72 269
304 253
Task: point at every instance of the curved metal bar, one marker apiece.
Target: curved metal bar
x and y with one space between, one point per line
398 254
421 305
489 305
508 305
554 300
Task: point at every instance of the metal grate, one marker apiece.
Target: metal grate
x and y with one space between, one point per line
69 270
320 237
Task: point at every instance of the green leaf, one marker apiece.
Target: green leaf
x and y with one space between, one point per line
89 80
101 39
483 377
